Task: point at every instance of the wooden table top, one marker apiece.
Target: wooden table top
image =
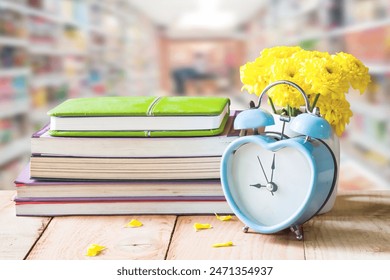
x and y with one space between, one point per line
358 227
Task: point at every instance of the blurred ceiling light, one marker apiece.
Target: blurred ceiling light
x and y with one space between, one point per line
111 22
208 16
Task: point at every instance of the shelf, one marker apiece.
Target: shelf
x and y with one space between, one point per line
42 80
14 150
69 56
44 50
14 108
377 111
377 68
340 31
13 7
13 42
375 171
14 72
369 143
39 115
44 14
54 51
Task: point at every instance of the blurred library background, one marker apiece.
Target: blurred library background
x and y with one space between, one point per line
51 50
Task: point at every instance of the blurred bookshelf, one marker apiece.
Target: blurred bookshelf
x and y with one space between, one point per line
51 50
359 27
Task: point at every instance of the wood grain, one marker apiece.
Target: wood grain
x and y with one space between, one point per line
357 228
69 237
189 244
17 234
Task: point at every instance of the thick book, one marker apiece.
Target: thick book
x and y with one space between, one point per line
140 116
57 167
121 206
30 188
42 143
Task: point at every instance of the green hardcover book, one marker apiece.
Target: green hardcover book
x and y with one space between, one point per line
140 116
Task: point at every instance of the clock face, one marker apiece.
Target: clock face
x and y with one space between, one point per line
269 188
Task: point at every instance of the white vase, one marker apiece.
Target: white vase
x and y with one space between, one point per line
333 143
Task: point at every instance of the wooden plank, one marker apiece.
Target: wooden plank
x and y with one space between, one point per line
17 234
69 237
357 228
187 243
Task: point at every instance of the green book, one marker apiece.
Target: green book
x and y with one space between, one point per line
140 116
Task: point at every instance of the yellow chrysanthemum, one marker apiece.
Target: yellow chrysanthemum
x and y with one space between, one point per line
329 80
355 71
284 95
279 52
319 74
337 112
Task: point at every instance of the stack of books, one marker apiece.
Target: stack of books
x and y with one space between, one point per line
128 155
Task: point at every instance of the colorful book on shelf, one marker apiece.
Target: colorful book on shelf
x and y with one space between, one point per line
140 116
121 206
42 143
30 188
73 168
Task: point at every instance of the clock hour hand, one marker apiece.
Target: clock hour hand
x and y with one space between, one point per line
258 186
262 168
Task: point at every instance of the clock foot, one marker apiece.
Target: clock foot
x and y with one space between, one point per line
245 229
298 232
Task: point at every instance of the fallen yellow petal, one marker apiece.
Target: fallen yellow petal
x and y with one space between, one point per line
199 226
134 223
226 244
223 218
94 249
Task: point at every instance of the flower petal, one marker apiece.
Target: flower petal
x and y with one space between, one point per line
94 250
199 226
134 223
226 244
223 218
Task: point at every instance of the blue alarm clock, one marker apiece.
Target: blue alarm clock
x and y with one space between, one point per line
273 182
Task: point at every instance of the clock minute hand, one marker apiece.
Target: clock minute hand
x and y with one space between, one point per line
272 168
262 168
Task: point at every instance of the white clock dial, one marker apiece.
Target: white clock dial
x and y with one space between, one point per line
270 187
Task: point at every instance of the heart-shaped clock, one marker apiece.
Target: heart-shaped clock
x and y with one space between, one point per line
272 183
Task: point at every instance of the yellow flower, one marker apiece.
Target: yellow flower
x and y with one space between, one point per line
224 244
199 226
280 52
223 218
254 77
134 223
337 112
284 95
319 74
325 77
356 72
94 250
